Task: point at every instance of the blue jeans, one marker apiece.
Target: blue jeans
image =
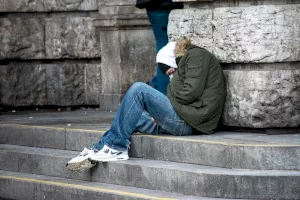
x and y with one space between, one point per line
159 22
146 110
160 81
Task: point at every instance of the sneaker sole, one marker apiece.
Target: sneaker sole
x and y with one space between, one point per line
108 159
80 166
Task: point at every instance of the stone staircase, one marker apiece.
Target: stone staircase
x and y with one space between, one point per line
35 146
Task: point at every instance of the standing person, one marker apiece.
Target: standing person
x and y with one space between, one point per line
158 14
194 104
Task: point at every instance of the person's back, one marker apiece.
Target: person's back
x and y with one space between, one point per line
198 90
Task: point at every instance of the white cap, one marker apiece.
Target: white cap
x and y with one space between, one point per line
166 55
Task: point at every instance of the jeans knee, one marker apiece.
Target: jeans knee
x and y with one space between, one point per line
138 86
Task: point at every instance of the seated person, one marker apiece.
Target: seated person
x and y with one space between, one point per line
193 105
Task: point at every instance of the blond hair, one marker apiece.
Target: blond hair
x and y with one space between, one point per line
181 46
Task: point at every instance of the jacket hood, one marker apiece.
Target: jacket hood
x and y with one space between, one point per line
181 47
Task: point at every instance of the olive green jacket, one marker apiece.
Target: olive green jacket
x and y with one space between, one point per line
197 91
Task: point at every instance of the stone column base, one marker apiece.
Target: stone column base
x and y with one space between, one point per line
128 55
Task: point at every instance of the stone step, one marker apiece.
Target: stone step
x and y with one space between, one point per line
187 179
222 149
16 185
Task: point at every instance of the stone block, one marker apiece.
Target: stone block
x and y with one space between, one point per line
47 5
9 160
22 38
118 7
65 84
93 84
136 146
32 136
16 135
71 37
260 99
11 189
193 23
249 34
23 85
268 158
176 151
50 84
49 162
73 84
22 6
70 5
199 180
137 53
133 60
74 193
268 33
76 140
110 102
48 138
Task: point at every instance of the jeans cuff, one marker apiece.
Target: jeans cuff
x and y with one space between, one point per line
117 147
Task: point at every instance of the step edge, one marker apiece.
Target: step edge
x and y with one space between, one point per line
158 164
164 137
62 182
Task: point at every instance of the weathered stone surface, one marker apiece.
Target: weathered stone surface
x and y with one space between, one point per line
110 102
70 5
137 53
269 33
193 23
23 85
71 37
75 141
66 84
2 81
257 34
232 3
261 99
21 5
118 7
133 58
93 84
19 191
47 5
21 38
50 84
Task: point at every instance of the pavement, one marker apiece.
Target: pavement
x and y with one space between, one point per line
78 119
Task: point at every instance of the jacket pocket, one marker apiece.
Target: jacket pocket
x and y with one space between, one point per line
193 70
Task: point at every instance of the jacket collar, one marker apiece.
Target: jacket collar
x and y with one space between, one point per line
192 47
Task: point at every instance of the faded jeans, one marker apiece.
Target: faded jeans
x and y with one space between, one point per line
139 107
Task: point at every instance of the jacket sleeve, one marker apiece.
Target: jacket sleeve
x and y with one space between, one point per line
196 69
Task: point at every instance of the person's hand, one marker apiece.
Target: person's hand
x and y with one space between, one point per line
170 71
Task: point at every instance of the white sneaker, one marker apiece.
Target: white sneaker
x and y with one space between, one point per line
109 154
81 162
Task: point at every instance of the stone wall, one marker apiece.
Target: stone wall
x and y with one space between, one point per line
89 52
52 54
38 40
257 43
